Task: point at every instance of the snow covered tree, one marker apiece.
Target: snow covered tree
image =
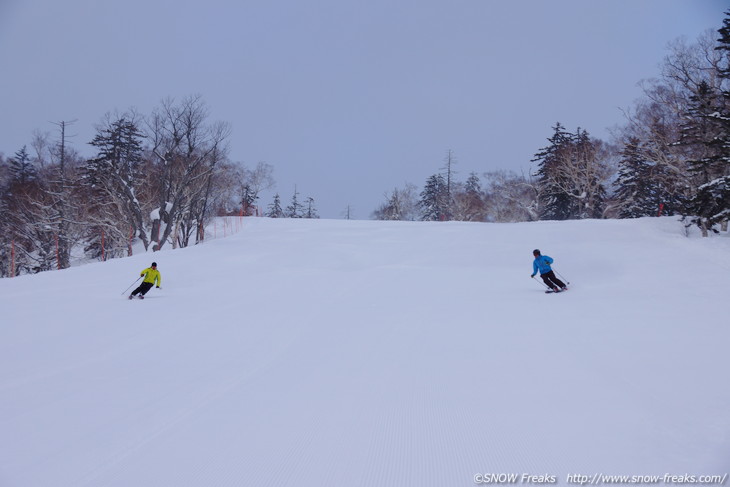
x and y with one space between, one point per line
295 208
635 193
570 177
468 201
723 47
113 177
32 241
400 204
652 167
449 187
60 212
43 215
187 149
705 133
248 199
434 199
21 168
555 204
588 175
671 124
275 210
4 171
310 210
53 201
509 197
253 182
6 240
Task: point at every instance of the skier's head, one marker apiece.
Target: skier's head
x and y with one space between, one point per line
154 264
536 252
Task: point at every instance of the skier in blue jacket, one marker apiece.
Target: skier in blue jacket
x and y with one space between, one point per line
542 263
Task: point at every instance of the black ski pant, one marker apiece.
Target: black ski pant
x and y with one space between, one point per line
143 288
552 281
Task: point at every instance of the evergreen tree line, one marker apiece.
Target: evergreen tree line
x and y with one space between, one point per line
672 157
154 179
295 209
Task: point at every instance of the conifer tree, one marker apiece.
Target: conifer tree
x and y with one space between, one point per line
555 203
21 168
724 47
274 209
707 134
114 178
636 191
295 208
310 211
248 200
570 177
433 203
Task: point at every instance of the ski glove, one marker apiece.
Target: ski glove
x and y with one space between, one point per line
532 276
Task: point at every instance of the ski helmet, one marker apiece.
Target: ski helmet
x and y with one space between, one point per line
536 252
154 264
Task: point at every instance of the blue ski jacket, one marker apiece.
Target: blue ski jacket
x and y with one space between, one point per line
542 263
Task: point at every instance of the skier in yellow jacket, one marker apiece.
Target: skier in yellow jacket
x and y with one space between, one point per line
151 275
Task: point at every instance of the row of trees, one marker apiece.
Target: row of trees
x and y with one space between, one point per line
159 178
295 209
156 179
500 197
675 149
672 157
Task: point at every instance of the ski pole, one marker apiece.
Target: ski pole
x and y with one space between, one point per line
135 282
561 277
545 285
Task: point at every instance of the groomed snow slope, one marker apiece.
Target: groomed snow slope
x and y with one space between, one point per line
336 353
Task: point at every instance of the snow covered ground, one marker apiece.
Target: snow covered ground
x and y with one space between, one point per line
362 353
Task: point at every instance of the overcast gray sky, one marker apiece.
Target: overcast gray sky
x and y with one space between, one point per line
347 99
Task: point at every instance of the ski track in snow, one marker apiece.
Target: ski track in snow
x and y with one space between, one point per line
329 353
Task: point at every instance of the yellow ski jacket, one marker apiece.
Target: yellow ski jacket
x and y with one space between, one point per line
151 275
